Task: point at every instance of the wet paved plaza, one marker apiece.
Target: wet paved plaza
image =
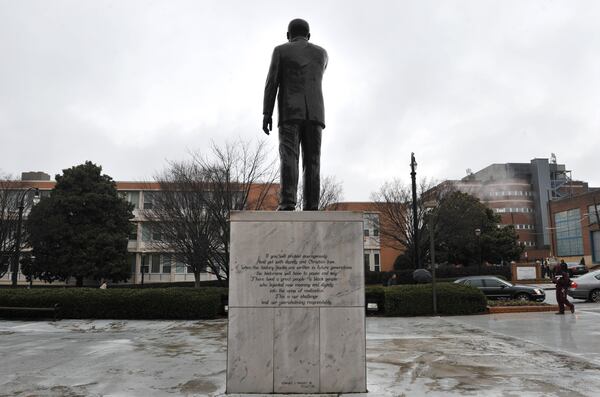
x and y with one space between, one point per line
530 354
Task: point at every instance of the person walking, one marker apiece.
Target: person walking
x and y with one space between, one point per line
392 280
563 283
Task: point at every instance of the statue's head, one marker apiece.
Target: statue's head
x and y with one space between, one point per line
298 27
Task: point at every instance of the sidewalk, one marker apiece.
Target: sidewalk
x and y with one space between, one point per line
484 355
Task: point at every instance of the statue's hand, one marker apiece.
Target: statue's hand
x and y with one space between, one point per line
267 124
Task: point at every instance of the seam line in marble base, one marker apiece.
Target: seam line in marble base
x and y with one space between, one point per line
290 307
290 221
273 352
319 360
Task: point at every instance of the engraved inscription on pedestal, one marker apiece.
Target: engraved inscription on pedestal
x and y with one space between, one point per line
300 273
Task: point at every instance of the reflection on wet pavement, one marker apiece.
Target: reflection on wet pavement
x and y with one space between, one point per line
500 355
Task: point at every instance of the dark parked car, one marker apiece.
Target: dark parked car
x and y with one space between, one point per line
494 288
576 268
586 287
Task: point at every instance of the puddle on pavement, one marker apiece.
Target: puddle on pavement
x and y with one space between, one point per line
197 387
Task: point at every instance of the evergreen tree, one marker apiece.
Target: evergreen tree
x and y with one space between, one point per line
82 229
457 217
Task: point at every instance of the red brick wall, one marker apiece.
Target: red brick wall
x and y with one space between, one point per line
582 202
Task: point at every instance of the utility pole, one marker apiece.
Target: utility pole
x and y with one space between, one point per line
413 175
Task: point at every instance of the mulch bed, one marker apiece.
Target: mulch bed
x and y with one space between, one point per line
522 309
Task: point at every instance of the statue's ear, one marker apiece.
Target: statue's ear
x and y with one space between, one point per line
308 36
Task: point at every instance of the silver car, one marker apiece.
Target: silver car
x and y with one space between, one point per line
586 287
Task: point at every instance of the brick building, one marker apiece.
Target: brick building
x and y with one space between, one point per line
143 254
380 254
520 193
162 267
575 230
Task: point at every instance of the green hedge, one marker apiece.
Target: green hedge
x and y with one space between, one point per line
416 300
118 303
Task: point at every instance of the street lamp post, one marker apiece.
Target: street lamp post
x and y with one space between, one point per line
17 255
431 206
413 176
478 234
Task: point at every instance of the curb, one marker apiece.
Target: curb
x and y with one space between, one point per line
521 309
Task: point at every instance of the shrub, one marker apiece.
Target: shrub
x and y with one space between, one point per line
380 278
121 303
375 294
416 300
188 284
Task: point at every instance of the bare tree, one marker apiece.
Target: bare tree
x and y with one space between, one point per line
179 217
191 213
330 194
242 177
11 191
394 203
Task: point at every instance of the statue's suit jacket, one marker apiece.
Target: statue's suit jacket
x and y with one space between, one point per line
297 69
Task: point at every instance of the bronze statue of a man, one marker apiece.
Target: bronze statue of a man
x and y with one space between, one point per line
296 70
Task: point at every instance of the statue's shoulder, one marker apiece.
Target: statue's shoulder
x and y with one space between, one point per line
282 47
317 47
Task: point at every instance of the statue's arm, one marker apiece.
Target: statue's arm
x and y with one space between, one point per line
271 92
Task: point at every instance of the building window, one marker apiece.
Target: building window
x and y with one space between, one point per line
594 211
371 224
148 234
367 261
133 232
155 263
144 266
131 197
148 200
376 262
166 264
180 267
569 241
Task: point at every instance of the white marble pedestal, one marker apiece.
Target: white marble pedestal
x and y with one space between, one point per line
296 303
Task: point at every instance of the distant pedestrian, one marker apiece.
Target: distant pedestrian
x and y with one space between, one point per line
550 270
392 280
541 266
563 283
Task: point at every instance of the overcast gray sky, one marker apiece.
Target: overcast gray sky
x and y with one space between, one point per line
130 84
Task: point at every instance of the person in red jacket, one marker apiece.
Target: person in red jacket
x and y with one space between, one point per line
563 283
